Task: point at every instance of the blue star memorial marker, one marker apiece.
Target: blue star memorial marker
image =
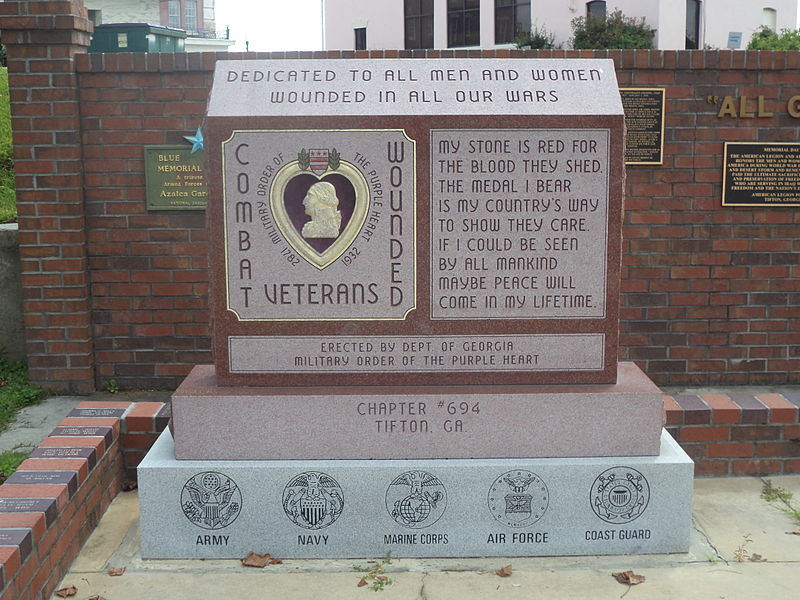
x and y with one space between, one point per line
198 143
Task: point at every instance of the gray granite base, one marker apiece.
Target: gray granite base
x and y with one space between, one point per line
212 422
415 508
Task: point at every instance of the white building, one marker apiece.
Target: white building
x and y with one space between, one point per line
196 17
411 24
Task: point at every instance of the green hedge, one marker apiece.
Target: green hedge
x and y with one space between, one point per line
766 39
8 201
614 32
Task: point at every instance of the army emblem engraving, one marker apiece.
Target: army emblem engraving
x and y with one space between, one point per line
211 500
313 500
518 498
319 203
416 499
619 495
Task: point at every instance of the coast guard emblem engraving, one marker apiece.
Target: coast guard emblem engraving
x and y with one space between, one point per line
211 500
518 498
313 500
619 495
416 499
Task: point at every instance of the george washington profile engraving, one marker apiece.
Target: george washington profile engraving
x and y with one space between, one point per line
322 205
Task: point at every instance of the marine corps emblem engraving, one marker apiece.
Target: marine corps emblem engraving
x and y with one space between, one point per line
416 499
320 203
619 495
313 500
211 500
518 498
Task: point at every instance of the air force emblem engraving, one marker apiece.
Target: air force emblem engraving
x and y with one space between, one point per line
620 495
518 498
211 500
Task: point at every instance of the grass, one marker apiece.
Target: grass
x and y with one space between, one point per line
8 200
9 461
782 499
374 576
15 393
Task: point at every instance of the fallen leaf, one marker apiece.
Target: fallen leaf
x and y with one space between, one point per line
795 532
129 486
276 561
116 571
96 598
256 560
756 558
66 592
362 582
3 382
628 578
504 572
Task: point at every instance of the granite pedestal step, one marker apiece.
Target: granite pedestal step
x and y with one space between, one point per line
415 508
258 423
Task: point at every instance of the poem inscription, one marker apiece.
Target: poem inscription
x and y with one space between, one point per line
519 223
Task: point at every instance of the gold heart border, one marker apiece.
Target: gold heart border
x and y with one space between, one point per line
293 237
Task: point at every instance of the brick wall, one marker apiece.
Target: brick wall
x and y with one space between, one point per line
44 525
710 295
149 281
737 433
42 39
52 503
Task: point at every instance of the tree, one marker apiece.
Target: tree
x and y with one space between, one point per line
766 39
537 39
615 31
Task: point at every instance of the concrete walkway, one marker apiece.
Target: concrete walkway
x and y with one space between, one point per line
729 514
34 423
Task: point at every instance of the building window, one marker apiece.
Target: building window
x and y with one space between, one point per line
361 38
769 18
463 23
596 8
692 24
190 16
511 18
418 24
174 8
96 16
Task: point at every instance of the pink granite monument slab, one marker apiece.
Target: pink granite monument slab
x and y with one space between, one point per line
213 422
415 222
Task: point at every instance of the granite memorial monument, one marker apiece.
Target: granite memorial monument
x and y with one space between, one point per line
415 280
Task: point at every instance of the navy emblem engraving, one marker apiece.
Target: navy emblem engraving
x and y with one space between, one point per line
518 498
416 499
211 500
619 495
313 500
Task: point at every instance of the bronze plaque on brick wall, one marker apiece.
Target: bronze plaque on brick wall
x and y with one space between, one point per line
431 222
766 174
174 178
644 125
